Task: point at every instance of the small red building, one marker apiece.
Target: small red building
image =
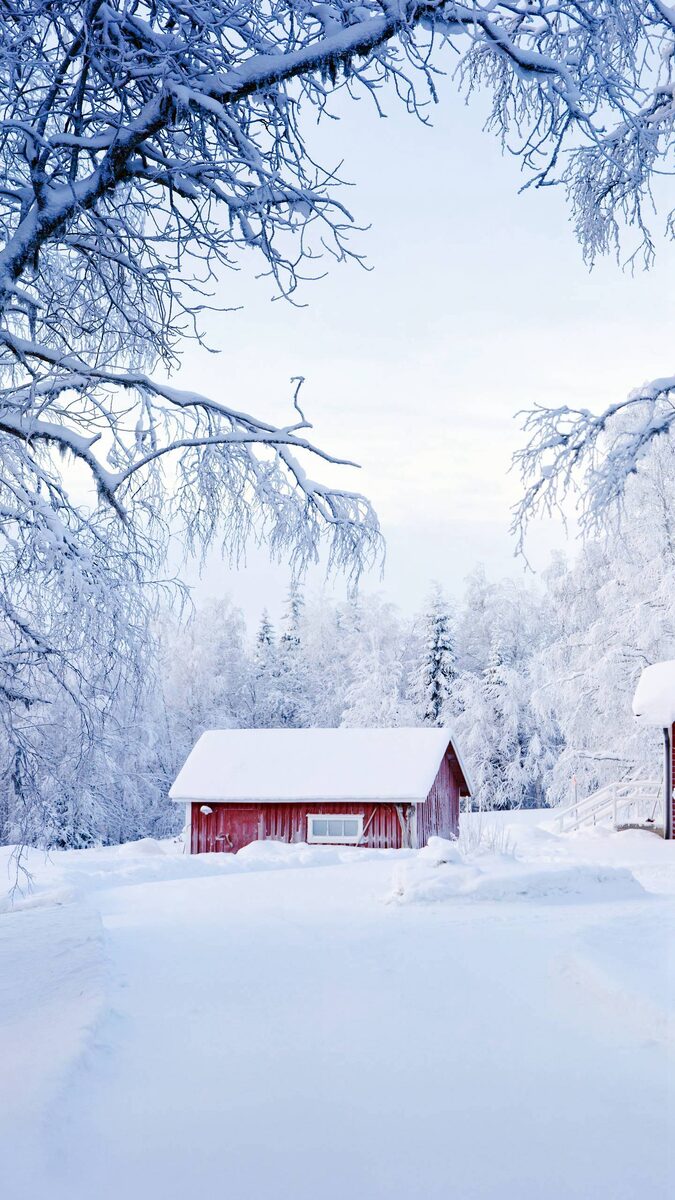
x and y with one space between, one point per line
358 787
654 705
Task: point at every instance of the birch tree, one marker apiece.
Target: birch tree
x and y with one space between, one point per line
376 692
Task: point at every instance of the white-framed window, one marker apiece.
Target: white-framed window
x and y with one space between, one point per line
334 827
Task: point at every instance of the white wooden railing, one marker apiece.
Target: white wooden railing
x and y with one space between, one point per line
631 802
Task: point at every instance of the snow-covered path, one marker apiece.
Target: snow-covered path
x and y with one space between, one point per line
287 1035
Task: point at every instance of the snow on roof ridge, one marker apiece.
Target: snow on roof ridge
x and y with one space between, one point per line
425 730
393 763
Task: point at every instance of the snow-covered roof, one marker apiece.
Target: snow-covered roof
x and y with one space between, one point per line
300 765
654 700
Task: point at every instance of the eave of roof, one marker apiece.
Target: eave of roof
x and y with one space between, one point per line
302 800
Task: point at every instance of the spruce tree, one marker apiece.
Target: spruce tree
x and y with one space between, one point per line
438 672
292 675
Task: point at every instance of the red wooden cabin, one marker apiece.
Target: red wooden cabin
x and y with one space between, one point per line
359 787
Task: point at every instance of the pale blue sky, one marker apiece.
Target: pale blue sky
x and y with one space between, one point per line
478 304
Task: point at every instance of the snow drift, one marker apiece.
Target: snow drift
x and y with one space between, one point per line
440 872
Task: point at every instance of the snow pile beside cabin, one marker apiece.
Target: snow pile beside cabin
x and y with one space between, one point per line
441 872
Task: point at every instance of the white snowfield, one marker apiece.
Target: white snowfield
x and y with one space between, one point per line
494 1021
319 764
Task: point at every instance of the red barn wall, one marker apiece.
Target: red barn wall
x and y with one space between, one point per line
672 778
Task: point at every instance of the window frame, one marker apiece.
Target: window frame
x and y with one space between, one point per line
333 839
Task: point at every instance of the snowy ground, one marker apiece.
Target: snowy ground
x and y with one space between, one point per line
317 1024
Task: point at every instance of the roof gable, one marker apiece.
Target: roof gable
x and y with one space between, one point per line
287 765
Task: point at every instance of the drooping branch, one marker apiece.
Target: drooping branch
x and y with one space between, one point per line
574 452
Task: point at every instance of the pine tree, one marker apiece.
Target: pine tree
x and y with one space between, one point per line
292 667
265 688
438 673
265 636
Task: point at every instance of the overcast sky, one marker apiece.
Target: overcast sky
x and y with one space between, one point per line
477 305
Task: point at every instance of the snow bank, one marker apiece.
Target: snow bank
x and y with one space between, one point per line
67 874
514 851
62 876
437 874
439 850
654 700
274 855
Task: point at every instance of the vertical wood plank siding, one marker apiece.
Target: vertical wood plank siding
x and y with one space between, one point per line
228 827
672 777
439 815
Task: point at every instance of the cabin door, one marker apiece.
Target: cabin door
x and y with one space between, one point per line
234 828
220 828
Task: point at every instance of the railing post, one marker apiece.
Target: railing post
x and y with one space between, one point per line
668 784
575 791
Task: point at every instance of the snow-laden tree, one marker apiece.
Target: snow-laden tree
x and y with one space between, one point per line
89 760
206 673
611 615
292 666
377 692
436 674
615 183
263 696
494 706
73 664
327 646
501 626
475 621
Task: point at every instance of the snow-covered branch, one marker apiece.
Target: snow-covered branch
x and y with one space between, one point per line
575 451
145 145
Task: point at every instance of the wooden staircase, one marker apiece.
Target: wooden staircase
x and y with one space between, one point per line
632 803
